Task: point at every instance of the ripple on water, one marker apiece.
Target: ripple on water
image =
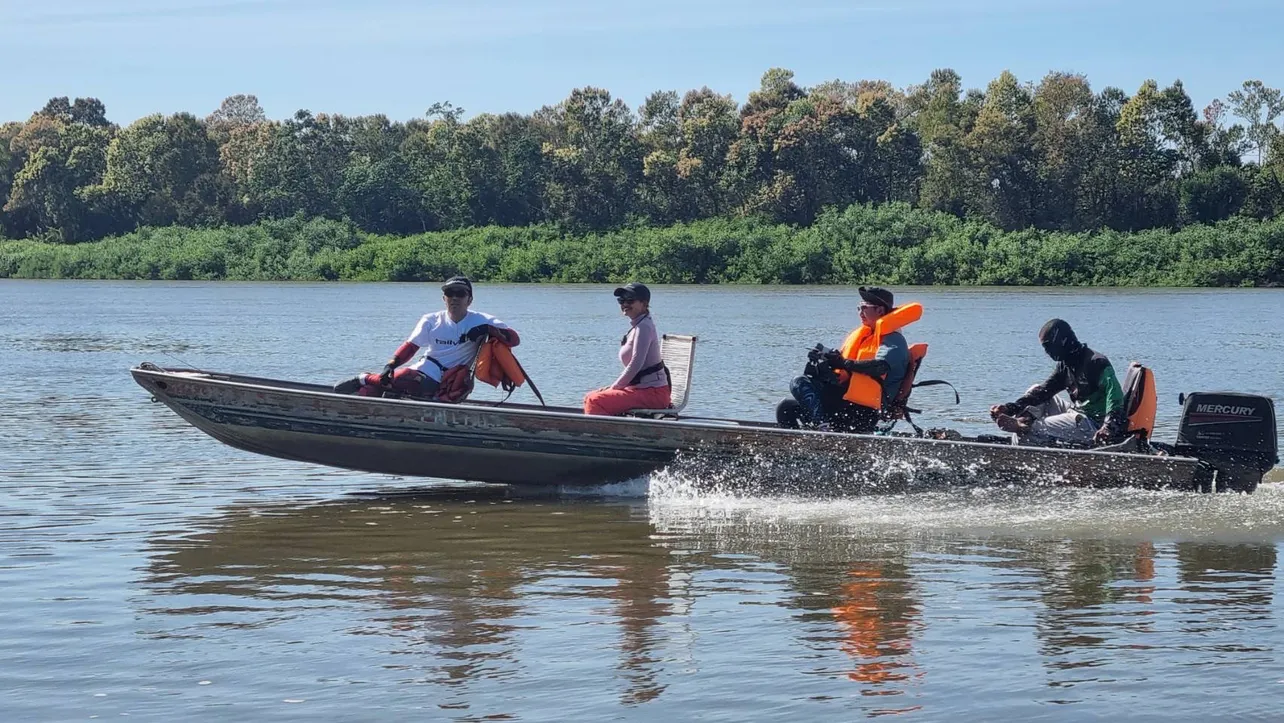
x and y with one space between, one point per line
239 586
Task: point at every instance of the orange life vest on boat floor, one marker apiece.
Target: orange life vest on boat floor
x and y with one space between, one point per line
862 345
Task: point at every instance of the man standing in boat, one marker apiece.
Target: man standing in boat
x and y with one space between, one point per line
1095 413
847 389
449 340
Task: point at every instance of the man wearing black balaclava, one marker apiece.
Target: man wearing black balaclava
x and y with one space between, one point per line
1095 414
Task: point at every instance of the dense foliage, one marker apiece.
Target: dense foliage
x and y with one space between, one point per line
1046 182
1053 155
890 243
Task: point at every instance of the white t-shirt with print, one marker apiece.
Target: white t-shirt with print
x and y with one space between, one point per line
446 341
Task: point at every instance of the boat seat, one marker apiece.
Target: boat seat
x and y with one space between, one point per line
899 407
1140 400
678 353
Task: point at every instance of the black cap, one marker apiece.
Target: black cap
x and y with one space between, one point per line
877 295
634 290
461 281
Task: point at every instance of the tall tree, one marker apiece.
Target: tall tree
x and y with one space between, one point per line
59 160
1147 167
1000 153
594 159
1259 106
302 168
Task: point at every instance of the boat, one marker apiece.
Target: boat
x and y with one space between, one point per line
1226 442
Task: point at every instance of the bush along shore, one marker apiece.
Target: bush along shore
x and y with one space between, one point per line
890 243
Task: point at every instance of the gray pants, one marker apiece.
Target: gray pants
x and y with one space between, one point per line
1056 421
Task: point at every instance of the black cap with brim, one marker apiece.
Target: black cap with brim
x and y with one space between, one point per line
633 290
461 282
877 295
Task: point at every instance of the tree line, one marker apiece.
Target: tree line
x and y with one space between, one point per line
1053 155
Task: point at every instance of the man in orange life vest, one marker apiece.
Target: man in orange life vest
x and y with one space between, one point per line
846 389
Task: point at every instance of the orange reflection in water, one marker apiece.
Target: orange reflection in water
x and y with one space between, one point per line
878 616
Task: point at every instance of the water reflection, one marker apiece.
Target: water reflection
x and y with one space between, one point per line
466 592
1228 589
455 581
1115 611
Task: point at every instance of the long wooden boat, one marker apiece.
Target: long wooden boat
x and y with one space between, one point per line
526 445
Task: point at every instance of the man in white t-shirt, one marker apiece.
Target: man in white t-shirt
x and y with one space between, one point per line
448 339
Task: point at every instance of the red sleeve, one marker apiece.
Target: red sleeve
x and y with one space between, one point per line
510 336
404 353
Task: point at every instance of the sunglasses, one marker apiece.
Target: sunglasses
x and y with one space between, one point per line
869 307
624 300
455 293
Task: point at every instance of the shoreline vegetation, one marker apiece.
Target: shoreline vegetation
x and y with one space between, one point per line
1019 183
892 244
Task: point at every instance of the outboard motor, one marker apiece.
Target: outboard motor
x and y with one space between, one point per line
1234 434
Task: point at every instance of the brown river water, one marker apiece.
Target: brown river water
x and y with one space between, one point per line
149 572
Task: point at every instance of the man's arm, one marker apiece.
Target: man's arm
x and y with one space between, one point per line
407 350
1045 391
1116 421
876 368
498 329
896 356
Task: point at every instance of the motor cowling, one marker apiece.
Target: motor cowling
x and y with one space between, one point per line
1232 433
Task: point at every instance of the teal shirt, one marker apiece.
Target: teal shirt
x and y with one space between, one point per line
894 350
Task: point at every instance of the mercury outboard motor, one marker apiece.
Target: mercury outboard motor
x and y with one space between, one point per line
1233 434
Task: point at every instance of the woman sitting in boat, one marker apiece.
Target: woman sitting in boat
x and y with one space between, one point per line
449 340
644 383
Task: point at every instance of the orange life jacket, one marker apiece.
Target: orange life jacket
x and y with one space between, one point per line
862 345
497 366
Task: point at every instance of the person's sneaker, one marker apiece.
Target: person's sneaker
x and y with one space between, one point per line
349 386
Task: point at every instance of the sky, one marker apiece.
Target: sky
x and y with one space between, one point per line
398 57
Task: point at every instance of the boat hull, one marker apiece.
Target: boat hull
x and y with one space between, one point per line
534 446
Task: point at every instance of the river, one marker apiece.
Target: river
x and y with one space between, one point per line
149 571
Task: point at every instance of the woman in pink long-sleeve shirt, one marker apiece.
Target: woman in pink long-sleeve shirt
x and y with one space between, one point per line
644 383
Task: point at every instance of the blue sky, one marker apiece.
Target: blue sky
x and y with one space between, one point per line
399 56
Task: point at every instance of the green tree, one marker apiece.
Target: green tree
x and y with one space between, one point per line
1000 155
594 159
1259 106
1147 168
1226 144
754 184
302 167
59 158
10 164
941 120
164 171
1211 195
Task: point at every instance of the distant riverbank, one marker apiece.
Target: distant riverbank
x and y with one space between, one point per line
892 244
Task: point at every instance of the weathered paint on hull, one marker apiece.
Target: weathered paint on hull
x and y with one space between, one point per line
525 445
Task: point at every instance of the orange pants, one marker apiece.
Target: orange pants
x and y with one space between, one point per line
614 402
